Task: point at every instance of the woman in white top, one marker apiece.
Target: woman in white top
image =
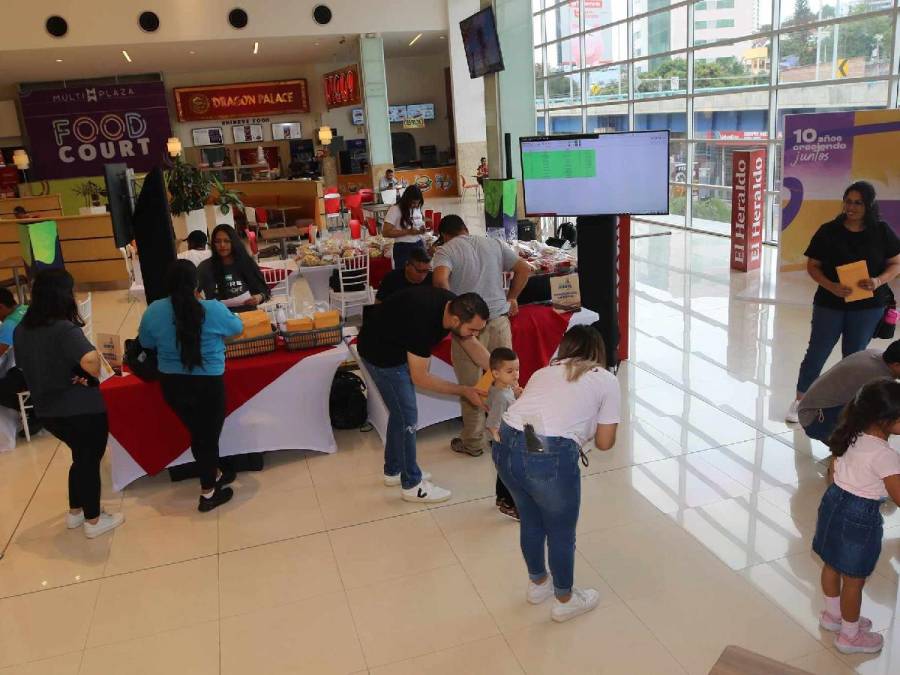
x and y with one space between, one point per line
570 402
405 224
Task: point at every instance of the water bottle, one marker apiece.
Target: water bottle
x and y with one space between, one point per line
281 318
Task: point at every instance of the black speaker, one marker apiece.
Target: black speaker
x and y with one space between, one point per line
322 14
149 22
238 18
57 26
598 253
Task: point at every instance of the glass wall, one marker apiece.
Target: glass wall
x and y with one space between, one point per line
719 74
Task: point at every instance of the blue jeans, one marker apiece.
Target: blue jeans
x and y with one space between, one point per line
547 489
824 424
855 328
399 395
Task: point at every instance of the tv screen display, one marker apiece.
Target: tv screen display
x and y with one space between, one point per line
482 45
396 113
423 111
208 136
596 174
286 131
358 116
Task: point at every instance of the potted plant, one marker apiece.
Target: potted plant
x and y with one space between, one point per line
189 189
225 201
91 193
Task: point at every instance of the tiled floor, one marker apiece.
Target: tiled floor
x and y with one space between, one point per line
695 528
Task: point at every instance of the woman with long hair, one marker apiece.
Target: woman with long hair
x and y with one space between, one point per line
849 527
572 401
405 224
61 368
188 335
231 274
857 234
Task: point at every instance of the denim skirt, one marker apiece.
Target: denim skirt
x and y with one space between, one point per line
848 532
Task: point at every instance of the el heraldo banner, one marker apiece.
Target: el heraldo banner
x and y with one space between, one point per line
823 154
74 131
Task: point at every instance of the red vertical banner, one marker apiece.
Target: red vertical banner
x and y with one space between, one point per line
623 285
748 204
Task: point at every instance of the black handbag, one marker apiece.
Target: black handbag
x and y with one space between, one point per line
141 361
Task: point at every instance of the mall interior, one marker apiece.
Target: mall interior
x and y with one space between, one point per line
696 528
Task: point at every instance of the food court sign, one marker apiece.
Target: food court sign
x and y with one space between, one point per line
250 99
342 87
74 131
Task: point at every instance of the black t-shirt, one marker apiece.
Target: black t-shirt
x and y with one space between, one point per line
834 245
411 320
396 280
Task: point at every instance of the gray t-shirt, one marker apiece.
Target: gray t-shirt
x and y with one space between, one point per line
47 356
498 400
477 265
838 385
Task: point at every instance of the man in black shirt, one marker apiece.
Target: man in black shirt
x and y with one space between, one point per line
395 345
416 271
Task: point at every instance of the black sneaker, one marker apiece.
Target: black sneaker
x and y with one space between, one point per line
227 478
220 496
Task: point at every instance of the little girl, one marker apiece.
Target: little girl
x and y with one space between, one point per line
849 527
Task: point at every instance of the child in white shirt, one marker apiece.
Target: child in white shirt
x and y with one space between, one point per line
849 529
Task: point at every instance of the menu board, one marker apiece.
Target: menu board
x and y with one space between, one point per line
396 113
358 116
286 131
208 136
247 133
423 111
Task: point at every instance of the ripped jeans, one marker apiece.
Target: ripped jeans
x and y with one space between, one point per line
399 396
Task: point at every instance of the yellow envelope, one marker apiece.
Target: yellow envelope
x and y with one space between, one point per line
850 275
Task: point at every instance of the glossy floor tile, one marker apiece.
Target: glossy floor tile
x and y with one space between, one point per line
695 528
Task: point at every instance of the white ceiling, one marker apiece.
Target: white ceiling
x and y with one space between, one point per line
36 65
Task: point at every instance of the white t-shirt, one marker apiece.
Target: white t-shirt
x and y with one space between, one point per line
195 256
863 468
556 407
393 217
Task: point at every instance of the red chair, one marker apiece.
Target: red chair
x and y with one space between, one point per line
372 226
262 217
368 196
435 221
353 202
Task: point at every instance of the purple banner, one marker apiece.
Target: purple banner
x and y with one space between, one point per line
74 131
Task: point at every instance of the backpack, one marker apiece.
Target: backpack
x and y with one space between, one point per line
347 402
141 361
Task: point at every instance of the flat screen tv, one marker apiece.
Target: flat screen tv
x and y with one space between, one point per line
358 116
482 45
121 197
596 174
396 113
423 111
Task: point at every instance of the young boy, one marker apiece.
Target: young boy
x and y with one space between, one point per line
503 392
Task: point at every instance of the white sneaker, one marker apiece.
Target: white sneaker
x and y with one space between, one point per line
537 593
426 491
74 520
394 480
582 601
792 413
106 522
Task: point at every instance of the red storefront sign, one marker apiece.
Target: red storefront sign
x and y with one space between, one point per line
342 87
748 201
249 99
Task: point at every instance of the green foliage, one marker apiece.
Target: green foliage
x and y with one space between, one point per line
226 199
90 192
188 186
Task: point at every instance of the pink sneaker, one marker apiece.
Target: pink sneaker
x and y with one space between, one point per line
865 642
832 623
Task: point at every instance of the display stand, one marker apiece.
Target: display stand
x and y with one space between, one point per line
604 272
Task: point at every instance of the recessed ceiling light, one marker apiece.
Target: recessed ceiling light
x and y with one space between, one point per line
316 44
414 40
59 60
256 48
125 54
443 37
192 52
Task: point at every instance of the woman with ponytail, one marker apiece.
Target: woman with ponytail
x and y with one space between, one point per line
849 527
188 335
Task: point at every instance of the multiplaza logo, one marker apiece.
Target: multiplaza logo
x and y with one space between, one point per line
91 95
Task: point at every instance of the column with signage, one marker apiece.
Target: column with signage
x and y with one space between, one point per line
748 200
375 97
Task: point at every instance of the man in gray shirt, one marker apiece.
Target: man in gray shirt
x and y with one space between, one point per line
473 264
823 402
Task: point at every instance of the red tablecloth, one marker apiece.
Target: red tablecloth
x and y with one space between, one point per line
142 422
537 331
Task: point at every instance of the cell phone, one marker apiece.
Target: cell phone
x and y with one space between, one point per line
92 381
532 440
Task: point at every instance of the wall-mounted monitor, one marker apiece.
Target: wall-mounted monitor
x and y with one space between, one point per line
482 45
208 136
286 131
396 113
596 174
423 111
358 116
247 133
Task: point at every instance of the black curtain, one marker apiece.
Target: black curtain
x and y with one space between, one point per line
153 234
